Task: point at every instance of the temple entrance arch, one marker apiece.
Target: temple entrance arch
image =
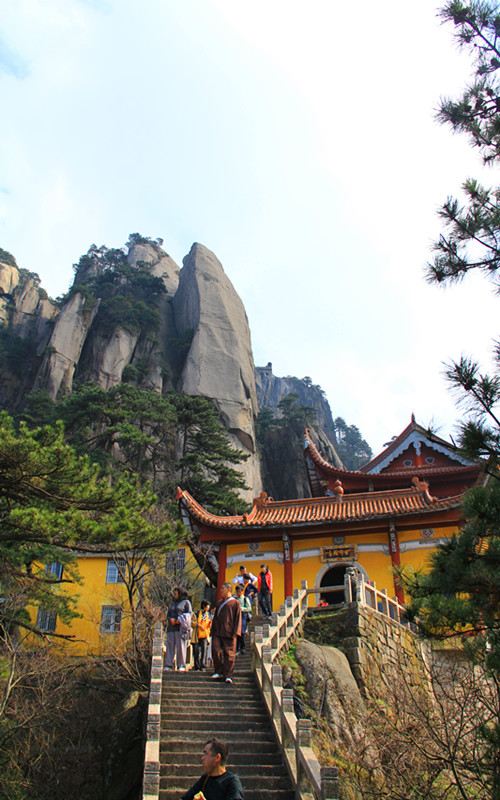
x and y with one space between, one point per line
334 576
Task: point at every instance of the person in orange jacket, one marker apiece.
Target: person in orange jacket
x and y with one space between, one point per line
203 628
265 590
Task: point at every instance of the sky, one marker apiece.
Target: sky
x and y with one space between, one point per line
296 140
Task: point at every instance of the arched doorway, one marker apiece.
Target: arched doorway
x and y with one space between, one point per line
334 577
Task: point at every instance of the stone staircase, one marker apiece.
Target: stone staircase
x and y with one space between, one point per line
194 708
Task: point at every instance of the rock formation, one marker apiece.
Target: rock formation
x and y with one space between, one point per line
271 390
132 315
219 363
333 693
65 345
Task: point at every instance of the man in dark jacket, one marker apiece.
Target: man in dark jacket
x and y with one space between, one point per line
226 627
217 782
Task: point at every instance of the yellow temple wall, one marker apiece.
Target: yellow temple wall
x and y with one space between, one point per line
92 593
372 555
421 546
270 553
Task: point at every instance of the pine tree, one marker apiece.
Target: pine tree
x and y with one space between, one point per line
460 596
350 445
52 503
473 225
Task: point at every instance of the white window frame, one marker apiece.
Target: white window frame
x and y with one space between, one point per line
111 619
113 568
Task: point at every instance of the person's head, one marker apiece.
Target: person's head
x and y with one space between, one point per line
179 593
263 567
205 605
240 589
226 590
214 755
246 578
243 569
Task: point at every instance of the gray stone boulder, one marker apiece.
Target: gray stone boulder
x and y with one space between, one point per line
219 363
334 695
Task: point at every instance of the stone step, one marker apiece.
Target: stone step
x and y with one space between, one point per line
245 677
179 762
211 704
253 794
174 701
260 737
250 770
215 717
207 686
223 729
264 744
270 783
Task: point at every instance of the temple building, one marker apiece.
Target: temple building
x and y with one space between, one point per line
392 512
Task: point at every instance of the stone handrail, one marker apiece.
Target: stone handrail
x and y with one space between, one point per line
294 735
151 779
358 590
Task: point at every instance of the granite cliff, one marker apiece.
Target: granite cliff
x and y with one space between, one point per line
135 316
132 315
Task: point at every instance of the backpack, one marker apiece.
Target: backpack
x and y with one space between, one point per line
185 628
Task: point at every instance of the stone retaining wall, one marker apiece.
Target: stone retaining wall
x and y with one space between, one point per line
379 650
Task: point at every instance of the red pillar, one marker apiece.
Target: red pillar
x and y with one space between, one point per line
288 564
221 575
396 561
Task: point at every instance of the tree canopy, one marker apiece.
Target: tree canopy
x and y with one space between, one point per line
472 225
53 504
167 439
460 596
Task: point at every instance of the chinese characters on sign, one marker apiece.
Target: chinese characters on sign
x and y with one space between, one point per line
344 552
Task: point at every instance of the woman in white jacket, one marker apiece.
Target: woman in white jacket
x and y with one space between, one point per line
179 614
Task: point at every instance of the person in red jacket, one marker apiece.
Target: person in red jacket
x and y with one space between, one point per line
265 589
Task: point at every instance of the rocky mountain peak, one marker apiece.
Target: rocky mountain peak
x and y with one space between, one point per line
219 363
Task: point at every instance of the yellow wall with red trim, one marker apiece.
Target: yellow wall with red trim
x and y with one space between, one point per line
377 563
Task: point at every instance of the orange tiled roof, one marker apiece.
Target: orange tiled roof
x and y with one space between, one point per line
269 513
330 469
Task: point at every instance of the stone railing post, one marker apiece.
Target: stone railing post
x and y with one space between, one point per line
276 683
288 741
350 585
304 733
329 783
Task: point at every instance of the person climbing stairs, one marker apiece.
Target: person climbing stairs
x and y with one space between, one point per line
194 708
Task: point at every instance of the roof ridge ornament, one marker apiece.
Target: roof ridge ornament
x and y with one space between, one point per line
262 499
338 489
423 487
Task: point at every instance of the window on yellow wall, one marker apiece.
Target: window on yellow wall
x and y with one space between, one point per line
115 570
46 620
176 560
55 568
111 619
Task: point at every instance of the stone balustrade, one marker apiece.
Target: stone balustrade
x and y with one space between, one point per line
310 779
151 779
